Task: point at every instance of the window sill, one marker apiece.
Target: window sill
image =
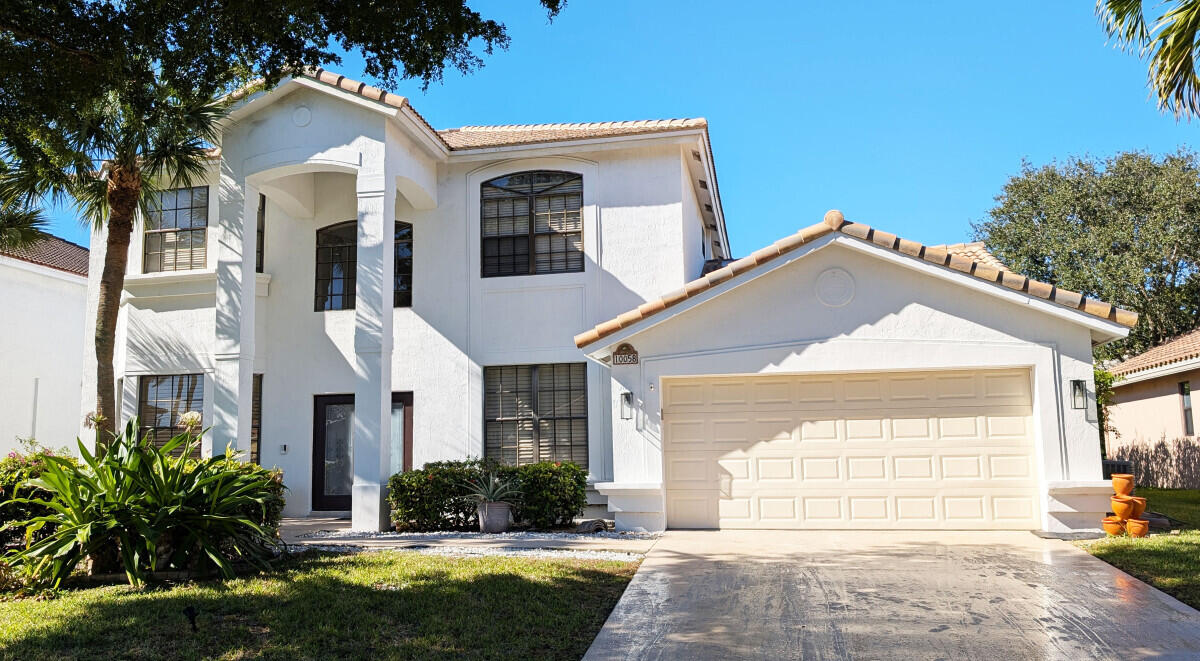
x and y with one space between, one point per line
184 283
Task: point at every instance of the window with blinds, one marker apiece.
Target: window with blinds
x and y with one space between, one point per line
337 266
162 401
530 223
176 231
536 413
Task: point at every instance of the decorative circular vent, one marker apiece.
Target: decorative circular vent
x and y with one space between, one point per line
835 287
301 116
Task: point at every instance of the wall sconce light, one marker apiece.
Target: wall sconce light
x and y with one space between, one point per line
627 405
1078 394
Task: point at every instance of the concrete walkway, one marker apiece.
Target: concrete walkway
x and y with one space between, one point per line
888 595
308 532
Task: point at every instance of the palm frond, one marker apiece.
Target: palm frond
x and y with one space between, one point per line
1170 43
20 227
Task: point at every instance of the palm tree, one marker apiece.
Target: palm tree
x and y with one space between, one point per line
1168 39
20 227
110 163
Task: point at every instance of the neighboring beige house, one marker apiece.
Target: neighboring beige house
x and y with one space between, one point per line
1153 415
44 291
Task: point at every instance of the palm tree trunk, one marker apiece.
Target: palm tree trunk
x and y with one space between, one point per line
124 189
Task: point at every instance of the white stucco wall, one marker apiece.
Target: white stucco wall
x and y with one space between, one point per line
41 354
458 324
898 319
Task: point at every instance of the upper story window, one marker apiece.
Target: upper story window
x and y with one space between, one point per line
337 264
176 228
531 222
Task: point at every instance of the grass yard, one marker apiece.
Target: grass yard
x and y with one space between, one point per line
1170 563
386 605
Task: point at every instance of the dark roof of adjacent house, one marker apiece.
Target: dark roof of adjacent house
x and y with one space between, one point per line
1181 348
966 260
55 253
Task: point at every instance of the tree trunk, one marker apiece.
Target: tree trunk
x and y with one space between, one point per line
124 189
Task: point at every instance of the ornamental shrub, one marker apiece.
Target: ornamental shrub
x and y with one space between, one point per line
152 506
438 496
552 493
15 469
434 497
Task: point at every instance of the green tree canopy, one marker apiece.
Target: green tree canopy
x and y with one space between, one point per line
57 56
1124 229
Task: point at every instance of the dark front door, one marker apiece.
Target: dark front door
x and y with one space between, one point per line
333 442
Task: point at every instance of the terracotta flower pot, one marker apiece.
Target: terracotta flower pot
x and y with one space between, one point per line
1122 483
1137 527
1139 506
1112 525
1122 506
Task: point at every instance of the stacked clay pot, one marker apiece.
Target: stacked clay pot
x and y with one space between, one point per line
1127 509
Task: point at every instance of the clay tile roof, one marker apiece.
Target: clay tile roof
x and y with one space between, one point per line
474 137
54 253
959 257
477 137
974 251
1181 348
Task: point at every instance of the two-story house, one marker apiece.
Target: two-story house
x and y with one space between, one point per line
352 293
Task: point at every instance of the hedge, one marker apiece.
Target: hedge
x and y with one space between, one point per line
435 497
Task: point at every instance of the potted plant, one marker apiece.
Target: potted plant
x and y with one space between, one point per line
493 495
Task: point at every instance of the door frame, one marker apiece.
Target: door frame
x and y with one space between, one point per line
322 503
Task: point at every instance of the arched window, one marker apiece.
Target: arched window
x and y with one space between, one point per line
337 264
531 222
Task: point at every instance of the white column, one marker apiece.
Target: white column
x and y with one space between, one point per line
234 348
373 349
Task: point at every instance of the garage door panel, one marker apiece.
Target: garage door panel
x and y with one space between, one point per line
905 450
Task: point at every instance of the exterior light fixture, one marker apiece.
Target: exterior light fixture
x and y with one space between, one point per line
627 405
1078 394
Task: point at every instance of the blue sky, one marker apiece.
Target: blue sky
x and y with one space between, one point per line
908 119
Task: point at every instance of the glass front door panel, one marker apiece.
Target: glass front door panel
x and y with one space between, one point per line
339 443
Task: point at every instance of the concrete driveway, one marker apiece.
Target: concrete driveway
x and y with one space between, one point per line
888 595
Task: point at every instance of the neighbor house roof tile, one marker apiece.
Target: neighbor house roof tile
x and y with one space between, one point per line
1181 348
54 253
970 258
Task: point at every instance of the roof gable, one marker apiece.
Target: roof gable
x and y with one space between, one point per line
834 222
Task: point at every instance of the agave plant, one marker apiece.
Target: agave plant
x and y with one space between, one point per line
491 488
156 506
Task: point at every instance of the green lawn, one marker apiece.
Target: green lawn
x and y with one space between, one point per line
1170 563
386 605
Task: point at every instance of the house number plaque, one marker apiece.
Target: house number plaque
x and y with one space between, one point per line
625 355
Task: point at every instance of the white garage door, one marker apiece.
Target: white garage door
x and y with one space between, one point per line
917 450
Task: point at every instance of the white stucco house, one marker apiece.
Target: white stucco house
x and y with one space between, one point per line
353 293
44 290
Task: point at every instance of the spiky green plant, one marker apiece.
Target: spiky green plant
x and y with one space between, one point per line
157 507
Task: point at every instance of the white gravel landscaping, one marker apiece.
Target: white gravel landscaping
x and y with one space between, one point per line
515 535
474 551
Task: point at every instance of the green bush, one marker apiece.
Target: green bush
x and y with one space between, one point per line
438 496
151 508
15 469
552 494
433 498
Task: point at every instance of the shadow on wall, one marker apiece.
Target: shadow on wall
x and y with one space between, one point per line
1168 464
